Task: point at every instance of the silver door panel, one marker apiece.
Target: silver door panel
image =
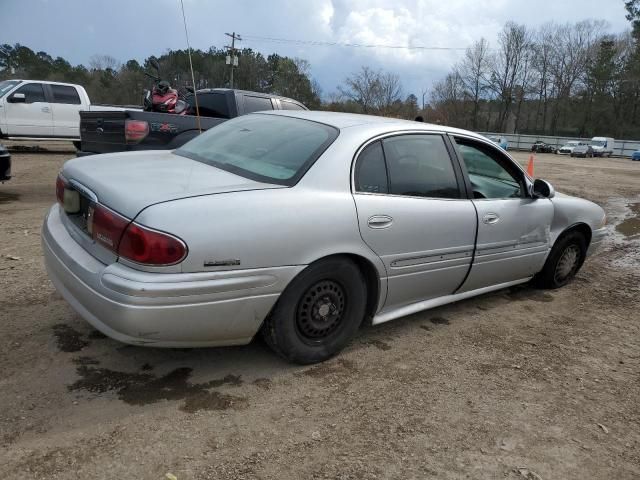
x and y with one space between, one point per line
513 244
426 244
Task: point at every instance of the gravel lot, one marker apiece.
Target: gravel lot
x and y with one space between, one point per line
518 384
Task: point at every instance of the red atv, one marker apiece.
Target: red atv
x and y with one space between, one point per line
162 98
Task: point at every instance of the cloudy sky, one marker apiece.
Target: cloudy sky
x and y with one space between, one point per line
124 29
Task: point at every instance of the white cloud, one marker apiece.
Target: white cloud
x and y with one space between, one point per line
126 29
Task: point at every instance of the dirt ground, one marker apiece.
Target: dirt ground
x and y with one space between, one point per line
518 384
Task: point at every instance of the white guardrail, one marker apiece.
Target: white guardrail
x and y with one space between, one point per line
622 148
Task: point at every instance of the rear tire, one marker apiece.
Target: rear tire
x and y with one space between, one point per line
564 261
318 313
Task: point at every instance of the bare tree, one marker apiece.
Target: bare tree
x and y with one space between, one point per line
474 72
507 67
447 97
375 91
362 88
543 47
388 92
103 62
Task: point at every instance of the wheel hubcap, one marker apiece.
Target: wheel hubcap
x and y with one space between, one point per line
321 310
568 263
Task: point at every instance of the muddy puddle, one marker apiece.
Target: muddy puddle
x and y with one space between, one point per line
145 388
630 226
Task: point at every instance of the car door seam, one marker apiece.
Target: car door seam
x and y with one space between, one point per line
475 246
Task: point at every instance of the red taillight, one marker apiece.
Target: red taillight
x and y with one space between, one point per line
142 245
135 130
106 226
61 183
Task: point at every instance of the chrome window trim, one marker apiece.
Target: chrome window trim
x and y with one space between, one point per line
383 136
527 180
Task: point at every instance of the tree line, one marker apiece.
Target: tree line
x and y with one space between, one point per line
108 81
558 79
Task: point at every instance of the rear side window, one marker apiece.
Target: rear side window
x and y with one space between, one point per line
420 166
211 105
33 92
290 105
371 171
65 94
256 104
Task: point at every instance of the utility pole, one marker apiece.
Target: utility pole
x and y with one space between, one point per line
232 59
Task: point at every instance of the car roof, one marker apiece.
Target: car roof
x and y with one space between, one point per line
48 82
343 121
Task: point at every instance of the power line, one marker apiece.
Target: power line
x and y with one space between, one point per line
342 44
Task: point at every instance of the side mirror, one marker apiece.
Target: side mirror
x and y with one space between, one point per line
17 98
543 189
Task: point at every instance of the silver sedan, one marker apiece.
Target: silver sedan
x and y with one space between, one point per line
302 226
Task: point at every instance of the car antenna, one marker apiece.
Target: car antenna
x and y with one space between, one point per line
193 78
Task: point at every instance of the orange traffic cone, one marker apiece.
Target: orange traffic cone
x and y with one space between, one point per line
530 166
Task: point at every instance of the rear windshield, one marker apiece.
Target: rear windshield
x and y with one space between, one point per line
266 148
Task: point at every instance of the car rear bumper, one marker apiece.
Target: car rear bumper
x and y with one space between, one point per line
160 309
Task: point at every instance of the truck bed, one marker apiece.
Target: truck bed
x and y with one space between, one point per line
104 131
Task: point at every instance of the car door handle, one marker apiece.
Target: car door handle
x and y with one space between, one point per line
380 221
491 218
45 109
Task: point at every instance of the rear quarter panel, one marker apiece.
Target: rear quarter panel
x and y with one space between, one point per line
262 228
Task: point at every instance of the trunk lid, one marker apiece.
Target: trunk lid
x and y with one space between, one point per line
127 182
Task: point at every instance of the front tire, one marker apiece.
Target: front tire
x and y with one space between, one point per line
318 313
564 261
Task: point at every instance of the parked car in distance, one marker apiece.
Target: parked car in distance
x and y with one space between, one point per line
119 131
303 225
584 151
43 110
500 141
568 147
542 147
635 155
5 164
602 146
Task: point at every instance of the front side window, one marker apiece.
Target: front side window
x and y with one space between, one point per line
65 94
420 166
266 148
491 175
256 104
33 92
371 171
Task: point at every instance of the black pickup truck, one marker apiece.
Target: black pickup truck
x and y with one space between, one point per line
118 131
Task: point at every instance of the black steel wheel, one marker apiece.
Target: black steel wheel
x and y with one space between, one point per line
564 261
318 313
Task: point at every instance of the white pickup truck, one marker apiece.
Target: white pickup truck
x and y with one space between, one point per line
41 110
